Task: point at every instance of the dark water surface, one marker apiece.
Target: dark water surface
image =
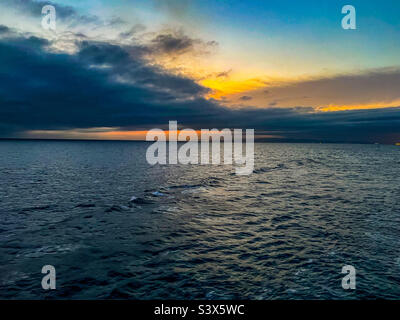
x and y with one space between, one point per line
284 232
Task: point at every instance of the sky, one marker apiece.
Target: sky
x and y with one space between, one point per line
114 69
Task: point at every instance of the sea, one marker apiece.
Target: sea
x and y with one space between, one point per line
115 227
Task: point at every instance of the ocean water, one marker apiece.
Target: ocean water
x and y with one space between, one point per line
198 232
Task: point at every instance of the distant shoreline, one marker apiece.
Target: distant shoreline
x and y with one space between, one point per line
257 141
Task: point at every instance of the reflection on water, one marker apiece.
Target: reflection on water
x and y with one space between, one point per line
114 227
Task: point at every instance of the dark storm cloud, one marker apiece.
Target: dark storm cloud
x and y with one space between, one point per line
302 124
126 63
108 85
4 29
102 85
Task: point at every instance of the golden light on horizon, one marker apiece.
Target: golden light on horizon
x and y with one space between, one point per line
381 105
225 87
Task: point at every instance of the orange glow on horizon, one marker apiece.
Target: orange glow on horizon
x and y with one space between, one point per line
382 105
138 135
225 87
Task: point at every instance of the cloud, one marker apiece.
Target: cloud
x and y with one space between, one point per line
34 8
133 31
379 88
4 29
175 42
245 98
171 43
101 85
223 74
105 85
65 13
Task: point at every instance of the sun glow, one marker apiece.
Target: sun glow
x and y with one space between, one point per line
381 105
225 87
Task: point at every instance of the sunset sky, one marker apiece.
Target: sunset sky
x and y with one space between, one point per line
116 68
